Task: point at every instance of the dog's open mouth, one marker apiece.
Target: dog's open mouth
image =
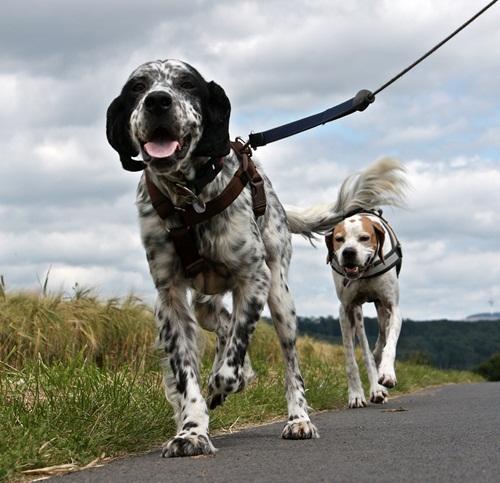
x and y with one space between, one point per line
351 270
162 145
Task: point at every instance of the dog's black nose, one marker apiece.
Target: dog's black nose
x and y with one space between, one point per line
349 254
158 102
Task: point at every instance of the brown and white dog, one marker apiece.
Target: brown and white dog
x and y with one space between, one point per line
365 256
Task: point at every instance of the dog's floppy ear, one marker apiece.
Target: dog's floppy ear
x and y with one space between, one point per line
117 129
380 235
214 141
329 247
118 135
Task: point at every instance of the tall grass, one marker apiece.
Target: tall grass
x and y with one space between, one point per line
58 328
80 380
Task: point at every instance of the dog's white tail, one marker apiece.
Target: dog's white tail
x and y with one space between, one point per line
382 183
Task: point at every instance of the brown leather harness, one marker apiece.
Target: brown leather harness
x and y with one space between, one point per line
207 276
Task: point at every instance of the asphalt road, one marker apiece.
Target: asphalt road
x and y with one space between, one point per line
447 434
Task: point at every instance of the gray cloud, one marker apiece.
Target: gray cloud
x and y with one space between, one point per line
67 37
66 204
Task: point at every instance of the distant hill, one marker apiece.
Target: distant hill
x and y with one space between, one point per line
442 343
483 316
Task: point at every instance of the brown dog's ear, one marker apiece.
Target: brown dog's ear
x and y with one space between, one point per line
380 236
329 246
214 141
117 132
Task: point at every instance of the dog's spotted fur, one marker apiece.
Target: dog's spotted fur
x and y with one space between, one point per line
256 253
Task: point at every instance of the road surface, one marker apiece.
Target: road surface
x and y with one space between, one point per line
446 434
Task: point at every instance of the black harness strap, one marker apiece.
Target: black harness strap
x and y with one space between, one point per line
185 247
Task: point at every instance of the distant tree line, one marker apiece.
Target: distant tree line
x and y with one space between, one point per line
442 343
490 368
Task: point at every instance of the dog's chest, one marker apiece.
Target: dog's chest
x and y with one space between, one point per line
359 292
231 238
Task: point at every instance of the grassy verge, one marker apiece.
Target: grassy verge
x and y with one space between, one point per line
79 380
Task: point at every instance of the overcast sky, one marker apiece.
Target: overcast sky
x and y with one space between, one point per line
65 203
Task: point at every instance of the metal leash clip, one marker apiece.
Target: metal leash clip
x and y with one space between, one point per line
246 148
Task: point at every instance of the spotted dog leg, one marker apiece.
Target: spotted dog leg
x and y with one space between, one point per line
248 373
212 315
386 371
178 337
282 308
249 297
378 393
356 394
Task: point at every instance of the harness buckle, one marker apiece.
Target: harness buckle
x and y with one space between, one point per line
245 146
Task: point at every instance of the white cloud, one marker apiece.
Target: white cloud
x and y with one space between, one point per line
98 278
65 203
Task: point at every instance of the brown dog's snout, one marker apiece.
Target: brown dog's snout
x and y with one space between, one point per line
349 254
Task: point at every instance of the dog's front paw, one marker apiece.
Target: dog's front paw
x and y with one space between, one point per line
378 395
356 399
387 377
214 400
299 430
188 445
225 381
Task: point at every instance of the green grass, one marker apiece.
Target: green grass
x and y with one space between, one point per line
80 380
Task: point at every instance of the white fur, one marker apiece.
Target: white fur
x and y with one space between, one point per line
381 184
384 290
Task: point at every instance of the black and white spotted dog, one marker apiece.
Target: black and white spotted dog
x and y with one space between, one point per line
178 123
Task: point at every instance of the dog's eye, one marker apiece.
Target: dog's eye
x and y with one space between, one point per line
364 238
187 85
139 87
339 239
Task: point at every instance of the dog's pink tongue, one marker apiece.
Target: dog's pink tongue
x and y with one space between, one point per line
161 149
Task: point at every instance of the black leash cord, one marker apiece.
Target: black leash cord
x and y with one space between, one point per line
358 103
403 72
